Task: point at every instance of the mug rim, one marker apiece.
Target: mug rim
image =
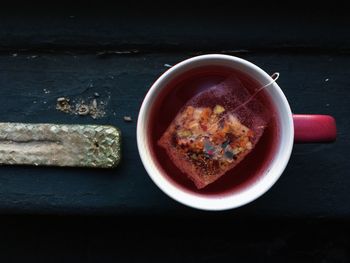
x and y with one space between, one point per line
228 201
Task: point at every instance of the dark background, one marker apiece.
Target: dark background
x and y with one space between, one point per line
118 50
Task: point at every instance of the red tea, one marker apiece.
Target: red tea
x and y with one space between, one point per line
175 95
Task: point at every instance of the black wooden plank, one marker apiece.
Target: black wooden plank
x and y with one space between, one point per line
96 239
314 184
151 26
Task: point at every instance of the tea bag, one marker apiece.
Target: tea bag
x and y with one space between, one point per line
215 130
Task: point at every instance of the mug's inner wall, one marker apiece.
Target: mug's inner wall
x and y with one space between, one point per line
228 184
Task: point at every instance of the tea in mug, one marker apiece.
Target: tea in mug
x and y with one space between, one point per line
203 135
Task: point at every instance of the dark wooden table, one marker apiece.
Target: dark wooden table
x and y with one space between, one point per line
120 56
120 52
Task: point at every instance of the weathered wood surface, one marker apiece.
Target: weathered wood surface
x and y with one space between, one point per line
313 185
118 51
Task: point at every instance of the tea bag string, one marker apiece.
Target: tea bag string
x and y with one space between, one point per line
274 77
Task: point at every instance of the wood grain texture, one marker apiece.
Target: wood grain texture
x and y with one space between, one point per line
145 27
314 184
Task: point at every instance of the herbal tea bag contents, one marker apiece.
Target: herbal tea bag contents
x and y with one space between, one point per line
214 131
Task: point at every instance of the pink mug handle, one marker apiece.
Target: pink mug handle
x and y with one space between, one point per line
314 128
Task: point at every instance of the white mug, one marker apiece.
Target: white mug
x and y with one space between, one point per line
281 155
